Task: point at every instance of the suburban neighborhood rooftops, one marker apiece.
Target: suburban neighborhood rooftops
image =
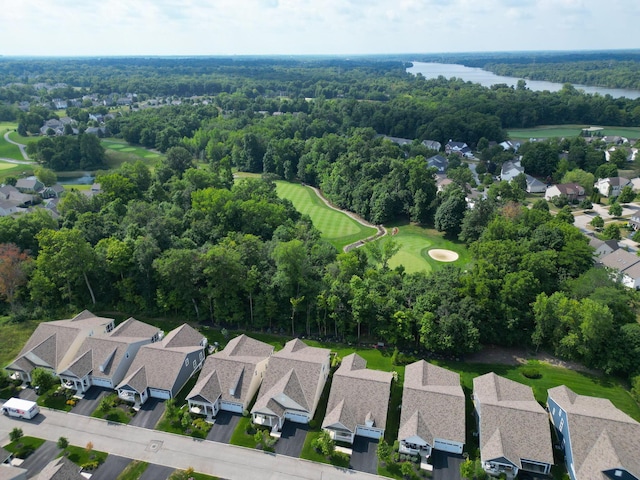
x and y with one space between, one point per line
135 329
183 336
291 379
231 370
60 469
513 425
602 437
358 395
433 404
620 259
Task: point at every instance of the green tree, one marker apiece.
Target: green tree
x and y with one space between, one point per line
43 379
324 444
384 451
612 232
626 194
15 434
450 213
14 266
615 209
582 178
565 215
597 222
62 443
46 176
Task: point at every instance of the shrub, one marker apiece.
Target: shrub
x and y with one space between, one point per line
62 443
250 429
43 379
635 388
90 465
313 424
25 451
532 373
16 434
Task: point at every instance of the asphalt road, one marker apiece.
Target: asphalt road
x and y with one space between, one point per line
446 466
149 414
174 451
91 401
156 472
39 459
111 468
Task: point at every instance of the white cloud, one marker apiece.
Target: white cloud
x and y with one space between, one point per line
172 27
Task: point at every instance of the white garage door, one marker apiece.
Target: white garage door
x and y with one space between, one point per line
296 417
368 432
157 393
231 407
447 446
101 382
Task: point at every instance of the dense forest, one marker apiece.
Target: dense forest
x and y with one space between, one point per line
185 239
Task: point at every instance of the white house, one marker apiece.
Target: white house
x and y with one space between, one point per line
626 264
511 170
612 186
572 191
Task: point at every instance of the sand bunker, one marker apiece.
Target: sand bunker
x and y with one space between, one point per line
443 255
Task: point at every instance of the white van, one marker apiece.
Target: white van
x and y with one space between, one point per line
17 407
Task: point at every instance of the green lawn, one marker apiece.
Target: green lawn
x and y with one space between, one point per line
240 436
118 152
5 165
336 227
57 398
120 411
83 455
25 446
549 131
16 137
8 150
133 471
415 243
14 336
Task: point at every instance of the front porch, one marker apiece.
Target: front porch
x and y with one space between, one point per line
496 469
208 410
77 384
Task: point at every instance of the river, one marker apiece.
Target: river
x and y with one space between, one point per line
486 79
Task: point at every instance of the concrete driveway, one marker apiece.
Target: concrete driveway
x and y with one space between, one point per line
364 457
27 394
149 414
41 457
156 472
292 439
226 423
111 468
446 466
91 401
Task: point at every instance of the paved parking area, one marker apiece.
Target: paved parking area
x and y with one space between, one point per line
39 459
27 394
111 468
149 414
446 466
91 401
364 457
292 439
226 423
156 472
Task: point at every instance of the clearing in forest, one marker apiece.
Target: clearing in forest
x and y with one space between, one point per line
337 227
550 131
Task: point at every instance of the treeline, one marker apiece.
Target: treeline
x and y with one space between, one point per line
192 243
68 152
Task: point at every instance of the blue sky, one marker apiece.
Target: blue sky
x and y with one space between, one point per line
346 27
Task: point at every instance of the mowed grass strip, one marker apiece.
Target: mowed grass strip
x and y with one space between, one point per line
550 131
415 243
8 150
337 228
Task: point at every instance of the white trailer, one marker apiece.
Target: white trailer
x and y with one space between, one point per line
17 407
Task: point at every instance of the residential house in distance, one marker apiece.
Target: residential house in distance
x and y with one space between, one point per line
626 264
103 361
634 222
29 185
442 182
7 208
60 468
513 427
534 185
612 186
11 196
603 247
432 145
292 385
439 162
161 369
398 140
432 414
509 145
230 378
93 191
599 441
572 191
459 148
55 344
510 170
358 401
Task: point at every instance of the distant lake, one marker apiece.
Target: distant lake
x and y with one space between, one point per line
86 179
486 79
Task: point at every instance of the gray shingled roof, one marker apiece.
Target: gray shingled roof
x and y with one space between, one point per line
602 437
620 259
513 425
161 362
51 341
292 377
60 469
432 404
134 329
234 369
358 394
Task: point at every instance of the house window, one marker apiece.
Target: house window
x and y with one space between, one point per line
562 423
186 362
201 355
195 364
618 473
554 410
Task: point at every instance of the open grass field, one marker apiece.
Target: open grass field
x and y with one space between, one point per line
336 227
118 152
23 140
14 336
8 150
549 131
415 243
6 166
